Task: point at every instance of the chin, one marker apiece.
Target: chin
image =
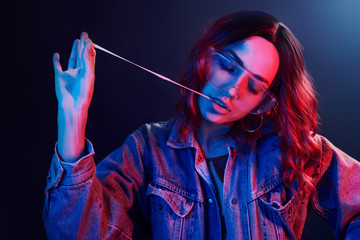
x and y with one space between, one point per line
220 120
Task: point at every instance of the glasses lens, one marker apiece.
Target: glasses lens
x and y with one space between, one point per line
225 69
266 102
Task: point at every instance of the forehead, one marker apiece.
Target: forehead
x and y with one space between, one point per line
259 56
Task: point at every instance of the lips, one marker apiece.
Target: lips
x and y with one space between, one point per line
220 103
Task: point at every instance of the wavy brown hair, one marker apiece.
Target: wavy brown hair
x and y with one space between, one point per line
294 115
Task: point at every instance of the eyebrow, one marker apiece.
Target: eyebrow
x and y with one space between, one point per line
241 63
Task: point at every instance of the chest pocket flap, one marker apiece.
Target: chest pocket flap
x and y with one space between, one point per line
179 204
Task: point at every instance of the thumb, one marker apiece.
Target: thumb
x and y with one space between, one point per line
56 63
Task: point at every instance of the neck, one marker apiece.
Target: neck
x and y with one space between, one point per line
213 138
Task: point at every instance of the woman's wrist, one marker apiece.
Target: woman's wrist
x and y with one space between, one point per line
71 134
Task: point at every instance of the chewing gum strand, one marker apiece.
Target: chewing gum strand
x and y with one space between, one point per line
152 72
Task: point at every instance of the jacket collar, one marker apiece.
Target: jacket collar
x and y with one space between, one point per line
176 139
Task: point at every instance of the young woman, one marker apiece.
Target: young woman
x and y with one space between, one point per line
244 164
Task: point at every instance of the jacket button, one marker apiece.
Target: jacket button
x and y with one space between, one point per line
201 158
233 201
160 207
210 201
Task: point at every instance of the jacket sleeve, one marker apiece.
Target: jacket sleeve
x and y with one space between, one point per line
339 191
107 202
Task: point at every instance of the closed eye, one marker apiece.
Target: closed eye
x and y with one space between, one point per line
227 65
252 90
255 87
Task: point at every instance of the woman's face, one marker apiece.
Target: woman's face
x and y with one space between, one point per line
238 88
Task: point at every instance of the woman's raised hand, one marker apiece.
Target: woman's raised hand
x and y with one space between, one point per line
74 89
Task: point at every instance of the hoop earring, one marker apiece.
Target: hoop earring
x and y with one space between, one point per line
254 130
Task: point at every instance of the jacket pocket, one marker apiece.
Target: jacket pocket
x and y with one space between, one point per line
274 211
278 199
168 212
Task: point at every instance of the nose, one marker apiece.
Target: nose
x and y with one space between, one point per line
235 89
233 92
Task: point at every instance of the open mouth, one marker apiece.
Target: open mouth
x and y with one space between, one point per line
219 102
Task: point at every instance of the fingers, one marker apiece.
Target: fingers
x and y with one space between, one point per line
88 56
83 36
56 63
85 54
74 54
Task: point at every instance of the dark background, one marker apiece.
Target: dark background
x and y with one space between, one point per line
158 35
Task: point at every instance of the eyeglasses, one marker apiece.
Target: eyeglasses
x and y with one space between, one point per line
227 77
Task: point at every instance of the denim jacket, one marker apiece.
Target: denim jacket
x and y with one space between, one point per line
158 186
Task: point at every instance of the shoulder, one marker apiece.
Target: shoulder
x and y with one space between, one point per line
153 132
330 151
147 136
334 160
155 129
339 184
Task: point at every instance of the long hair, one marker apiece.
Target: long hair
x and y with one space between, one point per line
294 115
